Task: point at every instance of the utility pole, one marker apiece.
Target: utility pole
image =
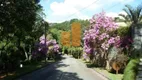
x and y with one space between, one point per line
45 27
44 24
45 32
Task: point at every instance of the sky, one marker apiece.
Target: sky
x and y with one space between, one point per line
57 11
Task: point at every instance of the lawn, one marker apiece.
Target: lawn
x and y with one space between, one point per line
109 75
102 71
27 68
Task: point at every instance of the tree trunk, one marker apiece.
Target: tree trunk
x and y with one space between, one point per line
108 67
26 54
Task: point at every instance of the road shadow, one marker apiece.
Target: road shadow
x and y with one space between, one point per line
51 72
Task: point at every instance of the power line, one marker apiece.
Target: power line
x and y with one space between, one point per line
112 6
91 4
84 8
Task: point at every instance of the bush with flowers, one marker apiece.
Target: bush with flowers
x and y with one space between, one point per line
99 38
46 48
103 36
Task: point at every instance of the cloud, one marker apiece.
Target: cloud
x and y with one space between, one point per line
80 9
112 14
62 18
122 12
70 9
62 9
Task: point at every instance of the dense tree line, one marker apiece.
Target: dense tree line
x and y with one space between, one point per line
21 25
55 29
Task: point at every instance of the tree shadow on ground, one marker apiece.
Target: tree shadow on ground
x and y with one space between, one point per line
56 71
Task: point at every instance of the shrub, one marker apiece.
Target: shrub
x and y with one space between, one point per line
131 70
123 31
119 61
65 50
116 58
76 52
100 37
45 48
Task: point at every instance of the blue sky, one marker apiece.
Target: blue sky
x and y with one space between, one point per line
62 10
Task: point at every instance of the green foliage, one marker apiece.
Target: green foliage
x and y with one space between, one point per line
65 26
56 28
65 50
21 24
131 70
55 34
133 14
76 52
123 31
132 18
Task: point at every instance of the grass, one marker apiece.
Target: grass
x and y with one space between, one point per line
27 68
104 72
109 75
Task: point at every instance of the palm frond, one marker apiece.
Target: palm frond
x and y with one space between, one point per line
128 13
122 15
139 15
131 12
125 19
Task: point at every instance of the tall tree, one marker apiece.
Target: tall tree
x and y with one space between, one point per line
133 17
18 26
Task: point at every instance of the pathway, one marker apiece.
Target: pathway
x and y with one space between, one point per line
66 69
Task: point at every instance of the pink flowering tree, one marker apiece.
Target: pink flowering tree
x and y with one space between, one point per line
100 37
44 48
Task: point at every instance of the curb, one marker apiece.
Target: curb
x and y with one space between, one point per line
99 74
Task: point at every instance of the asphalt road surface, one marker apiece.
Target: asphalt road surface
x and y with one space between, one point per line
66 69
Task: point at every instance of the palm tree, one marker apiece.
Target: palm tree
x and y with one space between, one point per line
133 17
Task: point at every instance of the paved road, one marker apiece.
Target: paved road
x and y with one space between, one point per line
66 69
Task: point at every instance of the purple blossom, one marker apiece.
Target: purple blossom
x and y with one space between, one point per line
124 42
85 56
111 40
99 33
44 48
42 38
56 47
91 20
88 50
